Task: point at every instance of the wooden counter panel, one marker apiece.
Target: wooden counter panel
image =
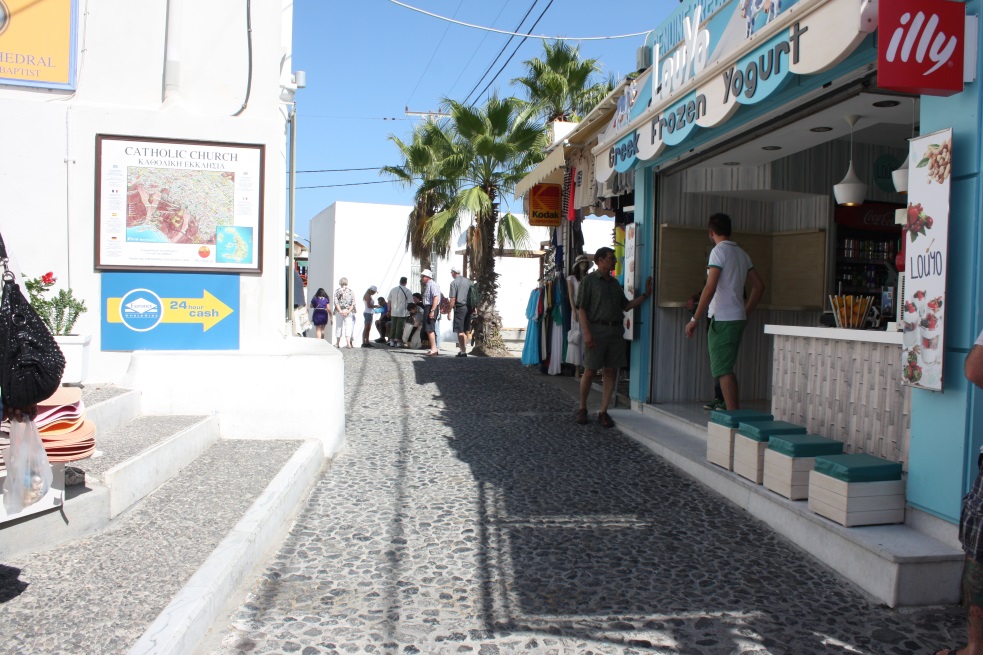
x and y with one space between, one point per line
845 390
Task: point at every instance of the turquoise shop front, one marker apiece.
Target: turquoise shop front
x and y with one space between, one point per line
708 125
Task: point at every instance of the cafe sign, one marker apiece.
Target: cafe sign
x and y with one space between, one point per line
920 46
926 239
688 93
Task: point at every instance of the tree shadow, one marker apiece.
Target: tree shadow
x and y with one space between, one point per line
586 534
11 586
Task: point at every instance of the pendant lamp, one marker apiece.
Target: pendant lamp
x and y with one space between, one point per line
900 176
851 190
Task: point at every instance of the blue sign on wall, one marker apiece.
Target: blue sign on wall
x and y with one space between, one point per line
170 311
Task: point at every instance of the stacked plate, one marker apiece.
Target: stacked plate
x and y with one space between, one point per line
66 433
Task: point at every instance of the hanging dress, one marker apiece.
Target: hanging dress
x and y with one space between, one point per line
558 337
530 349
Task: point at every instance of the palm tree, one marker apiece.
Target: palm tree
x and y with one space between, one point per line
561 85
487 151
421 168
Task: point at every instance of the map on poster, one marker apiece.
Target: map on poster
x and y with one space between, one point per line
926 239
178 205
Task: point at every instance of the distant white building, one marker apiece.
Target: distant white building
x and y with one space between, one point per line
367 244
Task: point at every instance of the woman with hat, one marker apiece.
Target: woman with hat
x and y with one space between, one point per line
344 306
368 310
575 351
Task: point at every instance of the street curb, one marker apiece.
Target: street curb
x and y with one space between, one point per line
181 626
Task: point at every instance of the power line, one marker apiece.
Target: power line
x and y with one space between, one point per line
330 186
340 170
530 36
477 48
514 51
500 53
432 55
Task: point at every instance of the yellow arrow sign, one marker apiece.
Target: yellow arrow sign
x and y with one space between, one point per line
207 310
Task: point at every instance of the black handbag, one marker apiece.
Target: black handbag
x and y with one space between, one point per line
31 363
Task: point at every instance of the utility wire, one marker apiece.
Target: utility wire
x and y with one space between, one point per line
477 48
330 186
500 53
530 36
339 170
432 55
492 81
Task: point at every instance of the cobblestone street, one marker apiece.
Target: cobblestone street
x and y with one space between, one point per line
469 514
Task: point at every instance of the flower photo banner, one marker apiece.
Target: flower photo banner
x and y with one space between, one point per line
926 239
175 205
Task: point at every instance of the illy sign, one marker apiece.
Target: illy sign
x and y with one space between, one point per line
920 46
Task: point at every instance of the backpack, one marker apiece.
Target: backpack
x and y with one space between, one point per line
474 298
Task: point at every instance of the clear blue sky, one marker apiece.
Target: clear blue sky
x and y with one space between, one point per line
367 60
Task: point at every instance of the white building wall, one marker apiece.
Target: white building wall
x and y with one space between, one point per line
48 180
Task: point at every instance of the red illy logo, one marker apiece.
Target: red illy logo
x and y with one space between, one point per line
921 46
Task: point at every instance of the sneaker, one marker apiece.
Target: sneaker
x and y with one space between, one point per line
581 416
715 404
366 345
462 354
380 340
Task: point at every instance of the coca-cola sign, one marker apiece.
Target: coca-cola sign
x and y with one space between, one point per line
920 46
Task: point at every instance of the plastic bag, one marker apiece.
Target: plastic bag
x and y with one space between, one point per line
574 335
28 471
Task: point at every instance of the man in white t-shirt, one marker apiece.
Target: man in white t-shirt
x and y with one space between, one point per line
400 298
728 270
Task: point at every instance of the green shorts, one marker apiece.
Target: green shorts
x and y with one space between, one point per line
724 339
609 347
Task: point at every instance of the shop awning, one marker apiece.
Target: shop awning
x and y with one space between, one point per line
548 171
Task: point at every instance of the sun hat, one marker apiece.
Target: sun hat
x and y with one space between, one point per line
581 259
455 269
373 288
426 273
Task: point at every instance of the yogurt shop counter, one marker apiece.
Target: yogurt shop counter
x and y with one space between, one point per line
843 384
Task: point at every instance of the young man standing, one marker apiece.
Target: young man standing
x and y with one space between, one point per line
602 304
462 313
728 270
431 299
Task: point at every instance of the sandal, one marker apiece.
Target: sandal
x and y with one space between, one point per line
433 354
605 420
581 416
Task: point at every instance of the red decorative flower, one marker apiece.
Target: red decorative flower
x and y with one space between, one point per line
48 278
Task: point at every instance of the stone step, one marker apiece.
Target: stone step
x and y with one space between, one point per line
161 574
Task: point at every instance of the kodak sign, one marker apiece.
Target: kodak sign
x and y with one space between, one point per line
544 205
920 46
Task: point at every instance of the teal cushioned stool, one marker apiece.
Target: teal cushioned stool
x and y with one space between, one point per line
790 457
721 430
732 417
857 489
750 444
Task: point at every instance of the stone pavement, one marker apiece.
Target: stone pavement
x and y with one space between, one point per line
469 514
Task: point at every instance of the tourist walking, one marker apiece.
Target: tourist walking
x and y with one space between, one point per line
431 300
728 270
321 305
575 350
602 303
400 299
463 313
344 307
368 313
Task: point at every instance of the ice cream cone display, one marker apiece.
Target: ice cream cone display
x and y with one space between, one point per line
851 311
64 430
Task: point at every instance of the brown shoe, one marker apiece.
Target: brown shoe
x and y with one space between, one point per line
605 420
581 416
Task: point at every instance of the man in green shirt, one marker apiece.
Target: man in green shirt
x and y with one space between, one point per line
602 304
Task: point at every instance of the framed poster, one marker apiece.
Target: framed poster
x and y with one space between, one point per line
175 205
926 241
629 279
37 43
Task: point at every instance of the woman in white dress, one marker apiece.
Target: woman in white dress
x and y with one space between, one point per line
575 352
